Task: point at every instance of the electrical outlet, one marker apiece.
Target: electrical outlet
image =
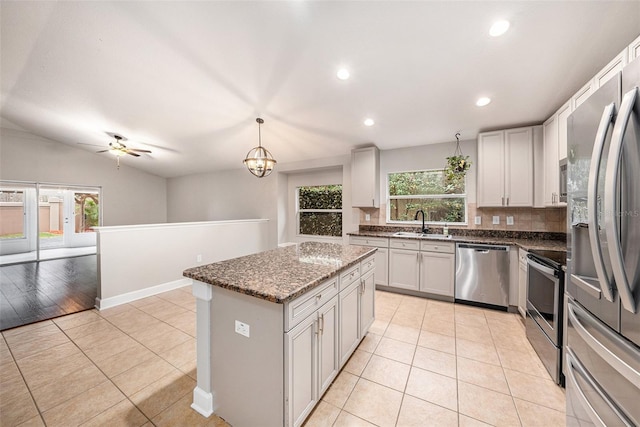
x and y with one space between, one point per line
367 217
496 220
242 328
478 220
509 220
199 258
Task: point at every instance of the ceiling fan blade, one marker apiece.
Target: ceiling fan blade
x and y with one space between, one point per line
93 145
133 154
139 150
103 151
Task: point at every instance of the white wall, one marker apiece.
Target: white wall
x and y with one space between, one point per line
432 156
138 261
129 196
225 195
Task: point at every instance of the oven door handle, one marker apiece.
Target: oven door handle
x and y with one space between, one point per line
541 267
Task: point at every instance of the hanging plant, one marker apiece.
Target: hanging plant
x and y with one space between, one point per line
458 164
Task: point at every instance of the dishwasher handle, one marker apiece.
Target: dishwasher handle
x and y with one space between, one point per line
483 248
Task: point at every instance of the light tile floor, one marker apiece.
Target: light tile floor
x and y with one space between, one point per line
423 363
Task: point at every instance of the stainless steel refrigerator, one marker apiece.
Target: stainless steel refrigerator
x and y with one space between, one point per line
602 358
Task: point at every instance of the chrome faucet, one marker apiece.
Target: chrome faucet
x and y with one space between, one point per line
424 229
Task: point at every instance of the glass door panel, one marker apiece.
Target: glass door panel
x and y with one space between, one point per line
17 216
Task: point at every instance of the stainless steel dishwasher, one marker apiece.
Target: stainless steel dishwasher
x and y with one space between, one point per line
482 274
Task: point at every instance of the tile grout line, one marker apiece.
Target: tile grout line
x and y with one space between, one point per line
24 381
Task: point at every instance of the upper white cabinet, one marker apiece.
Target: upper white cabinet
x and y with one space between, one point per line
634 49
581 95
555 149
365 177
505 167
611 69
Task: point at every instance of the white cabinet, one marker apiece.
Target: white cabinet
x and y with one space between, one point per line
437 272
424 266
382 255
611 69
581 95
403 269
505 168
634 50
328 358
349 329
522 282
300 375
563 115
367 302
365 178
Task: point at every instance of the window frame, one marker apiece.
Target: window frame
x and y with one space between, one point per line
298 211
426 196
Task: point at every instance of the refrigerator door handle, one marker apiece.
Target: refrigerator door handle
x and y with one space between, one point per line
577 317
574 365
604 277
611 201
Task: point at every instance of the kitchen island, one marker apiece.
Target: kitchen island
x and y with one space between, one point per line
275 328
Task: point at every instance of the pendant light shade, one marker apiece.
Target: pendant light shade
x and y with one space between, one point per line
259 160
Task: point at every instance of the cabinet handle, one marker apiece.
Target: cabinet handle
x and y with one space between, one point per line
373 202
322 324
502 200
317 331
318 297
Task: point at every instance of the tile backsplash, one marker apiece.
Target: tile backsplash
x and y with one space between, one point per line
524 219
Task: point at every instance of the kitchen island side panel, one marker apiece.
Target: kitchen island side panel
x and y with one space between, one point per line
247 373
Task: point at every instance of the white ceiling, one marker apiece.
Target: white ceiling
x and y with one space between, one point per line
187 79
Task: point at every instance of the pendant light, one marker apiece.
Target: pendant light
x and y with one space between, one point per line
259 160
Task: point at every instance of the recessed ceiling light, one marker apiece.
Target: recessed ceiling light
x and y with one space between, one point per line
369 122
499 28
343 74
481 102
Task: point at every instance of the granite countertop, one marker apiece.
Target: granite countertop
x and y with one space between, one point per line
282 274
526 244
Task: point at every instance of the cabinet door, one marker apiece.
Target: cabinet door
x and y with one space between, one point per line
365 179
522 289
634 51
382 267
367 302
403 269
348 319
437 272
551 163
563 115
611 69
519 167
301 393
490 169
328 357
582 95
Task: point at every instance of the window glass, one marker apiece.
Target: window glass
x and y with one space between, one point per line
442 199
320 210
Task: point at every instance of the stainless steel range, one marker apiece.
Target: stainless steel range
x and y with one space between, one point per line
545 291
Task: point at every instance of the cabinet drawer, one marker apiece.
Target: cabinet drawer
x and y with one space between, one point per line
349 276
367 264
405 244
379 242
444 247
298 309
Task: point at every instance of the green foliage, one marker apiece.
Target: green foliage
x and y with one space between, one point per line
91 213
432 184
321 223
320 197
457 167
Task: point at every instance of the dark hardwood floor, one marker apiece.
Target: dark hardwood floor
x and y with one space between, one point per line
35 291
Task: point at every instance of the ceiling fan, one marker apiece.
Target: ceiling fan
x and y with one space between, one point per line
118 148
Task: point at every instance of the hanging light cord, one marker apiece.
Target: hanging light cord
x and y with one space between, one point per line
458 151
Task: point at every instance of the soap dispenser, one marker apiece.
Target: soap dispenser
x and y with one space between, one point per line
445 230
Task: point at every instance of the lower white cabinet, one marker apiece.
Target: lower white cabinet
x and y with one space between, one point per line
320 344
523 272
382 255
367 302
437 273
403 269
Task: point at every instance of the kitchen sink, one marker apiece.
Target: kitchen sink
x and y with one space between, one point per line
421 235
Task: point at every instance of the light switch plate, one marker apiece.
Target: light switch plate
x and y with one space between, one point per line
478 220
242 328
367 217
496 220
509 220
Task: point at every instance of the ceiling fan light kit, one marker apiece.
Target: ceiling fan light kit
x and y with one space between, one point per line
259 160
118 149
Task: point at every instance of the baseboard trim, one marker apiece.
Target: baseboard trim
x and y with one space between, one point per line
203 402
104 303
